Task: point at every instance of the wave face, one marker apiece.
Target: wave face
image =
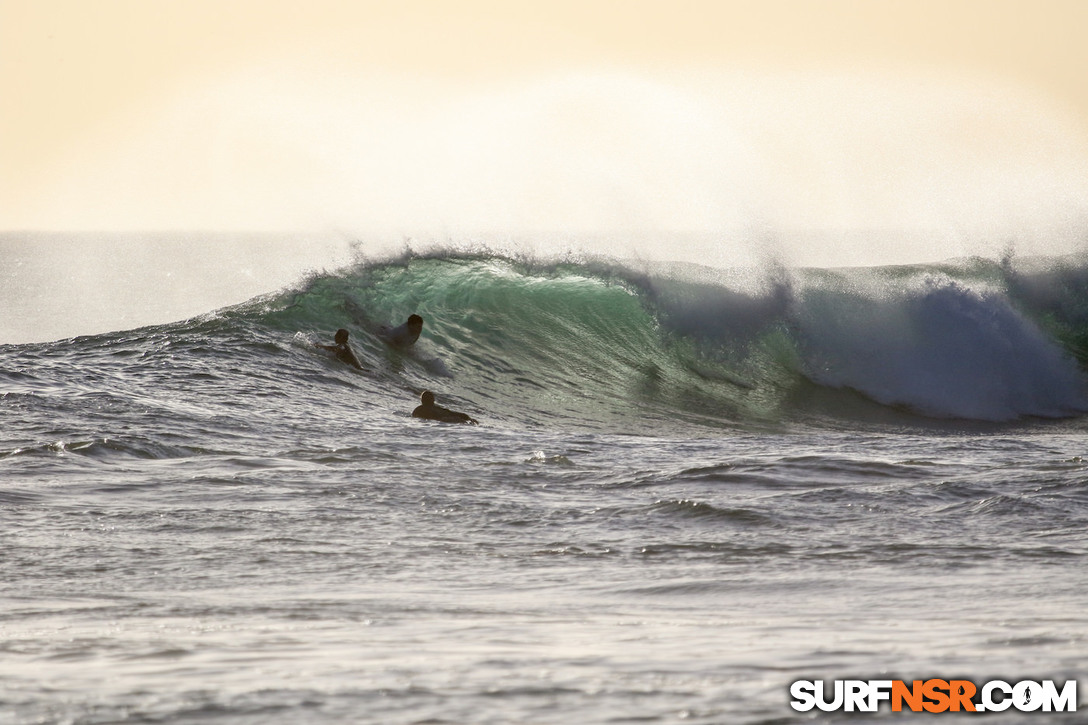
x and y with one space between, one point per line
626 347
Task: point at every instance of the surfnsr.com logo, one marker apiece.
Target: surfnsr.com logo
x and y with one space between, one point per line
934 696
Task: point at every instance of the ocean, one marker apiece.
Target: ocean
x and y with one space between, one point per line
690 488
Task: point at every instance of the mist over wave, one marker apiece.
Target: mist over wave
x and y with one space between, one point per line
936 166
726 169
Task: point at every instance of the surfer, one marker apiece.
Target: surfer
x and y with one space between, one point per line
402 336
341 349
429 411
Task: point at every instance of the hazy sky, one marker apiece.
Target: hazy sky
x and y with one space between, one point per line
472 113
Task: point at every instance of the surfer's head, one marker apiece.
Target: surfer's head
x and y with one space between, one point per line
427 398
341 336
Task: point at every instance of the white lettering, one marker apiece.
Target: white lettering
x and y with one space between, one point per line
856 695
804 697
996 705
821 698
1027 696
880 690
1066 701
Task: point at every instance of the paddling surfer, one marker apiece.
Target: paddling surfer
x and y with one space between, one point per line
341 349
429 411
402 336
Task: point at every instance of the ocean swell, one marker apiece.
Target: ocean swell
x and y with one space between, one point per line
619 347
617 343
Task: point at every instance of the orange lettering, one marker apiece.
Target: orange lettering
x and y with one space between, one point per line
913 695
961 692
935 690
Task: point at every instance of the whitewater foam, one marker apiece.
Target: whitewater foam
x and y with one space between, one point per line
938 346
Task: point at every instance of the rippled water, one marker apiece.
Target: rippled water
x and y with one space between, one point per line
211 521
440 574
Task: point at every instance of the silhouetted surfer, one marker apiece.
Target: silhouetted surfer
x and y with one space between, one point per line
342 349
429 411
402 336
